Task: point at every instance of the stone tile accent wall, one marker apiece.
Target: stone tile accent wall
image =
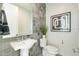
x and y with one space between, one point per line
39 16
39 19
5 47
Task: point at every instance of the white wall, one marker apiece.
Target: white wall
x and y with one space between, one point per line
12 16
70 38
24 22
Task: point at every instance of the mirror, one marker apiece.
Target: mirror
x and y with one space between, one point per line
19 18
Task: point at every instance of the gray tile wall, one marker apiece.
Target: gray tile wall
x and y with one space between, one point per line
7 50
5 47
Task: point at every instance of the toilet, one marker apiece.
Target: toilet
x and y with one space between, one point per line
48 50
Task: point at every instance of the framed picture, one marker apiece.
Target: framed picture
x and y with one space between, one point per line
61 22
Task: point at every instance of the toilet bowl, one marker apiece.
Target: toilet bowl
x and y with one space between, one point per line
48 50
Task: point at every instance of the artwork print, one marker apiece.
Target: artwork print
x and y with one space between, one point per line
61 22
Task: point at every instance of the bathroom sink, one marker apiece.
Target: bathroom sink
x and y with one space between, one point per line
24 44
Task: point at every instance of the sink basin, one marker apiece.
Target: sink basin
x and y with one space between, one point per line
24 44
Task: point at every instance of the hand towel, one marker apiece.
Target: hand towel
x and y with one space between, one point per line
1 23
5 27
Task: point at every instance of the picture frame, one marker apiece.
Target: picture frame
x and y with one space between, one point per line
61 22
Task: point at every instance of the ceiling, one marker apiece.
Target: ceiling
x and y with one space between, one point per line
27 6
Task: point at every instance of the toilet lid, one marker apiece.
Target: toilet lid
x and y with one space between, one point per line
51 48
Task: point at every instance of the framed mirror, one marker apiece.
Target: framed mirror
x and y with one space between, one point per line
19 18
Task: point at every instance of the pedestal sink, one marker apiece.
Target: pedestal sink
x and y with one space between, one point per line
23 45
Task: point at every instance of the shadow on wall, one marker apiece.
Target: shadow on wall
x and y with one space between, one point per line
0 6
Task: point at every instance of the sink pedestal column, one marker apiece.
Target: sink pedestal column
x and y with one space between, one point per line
24 52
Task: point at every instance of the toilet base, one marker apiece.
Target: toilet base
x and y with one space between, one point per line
46 53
